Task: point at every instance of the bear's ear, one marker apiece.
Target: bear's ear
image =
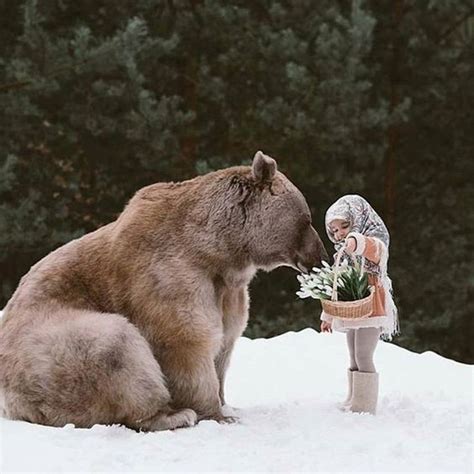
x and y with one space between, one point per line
263 167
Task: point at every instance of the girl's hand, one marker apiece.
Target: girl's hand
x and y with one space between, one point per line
351 244
326 327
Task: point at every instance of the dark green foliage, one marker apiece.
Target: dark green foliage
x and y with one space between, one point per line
100 98
355 286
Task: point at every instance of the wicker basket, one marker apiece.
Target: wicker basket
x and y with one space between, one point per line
358 309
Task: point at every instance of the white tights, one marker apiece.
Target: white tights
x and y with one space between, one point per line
362 343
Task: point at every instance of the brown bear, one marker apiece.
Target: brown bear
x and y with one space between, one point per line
135 323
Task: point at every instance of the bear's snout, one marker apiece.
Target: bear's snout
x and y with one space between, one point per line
311 253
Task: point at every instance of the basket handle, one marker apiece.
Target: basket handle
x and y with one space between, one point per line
336 273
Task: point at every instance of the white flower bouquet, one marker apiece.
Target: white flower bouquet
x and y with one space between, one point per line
350 297
352 283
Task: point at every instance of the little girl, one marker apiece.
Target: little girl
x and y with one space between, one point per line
352 224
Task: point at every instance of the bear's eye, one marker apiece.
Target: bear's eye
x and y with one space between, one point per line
305 222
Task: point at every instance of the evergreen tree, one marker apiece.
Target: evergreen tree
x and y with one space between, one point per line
84 127
425 51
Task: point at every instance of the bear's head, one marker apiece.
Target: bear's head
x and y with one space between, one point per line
249 217
277 228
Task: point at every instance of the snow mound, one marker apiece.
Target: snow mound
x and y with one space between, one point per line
284 389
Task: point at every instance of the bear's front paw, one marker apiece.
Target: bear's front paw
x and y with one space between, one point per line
227 419
220 418
227 410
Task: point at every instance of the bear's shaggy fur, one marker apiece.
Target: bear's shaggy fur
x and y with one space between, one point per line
135 323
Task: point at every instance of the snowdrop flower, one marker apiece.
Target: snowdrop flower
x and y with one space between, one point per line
303 294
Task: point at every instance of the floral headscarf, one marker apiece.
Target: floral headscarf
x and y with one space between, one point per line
362 218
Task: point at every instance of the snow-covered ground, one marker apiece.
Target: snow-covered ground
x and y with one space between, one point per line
285 389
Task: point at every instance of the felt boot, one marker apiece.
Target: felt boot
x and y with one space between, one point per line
365 390
345 405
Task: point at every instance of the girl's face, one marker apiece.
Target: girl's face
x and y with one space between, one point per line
339 229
